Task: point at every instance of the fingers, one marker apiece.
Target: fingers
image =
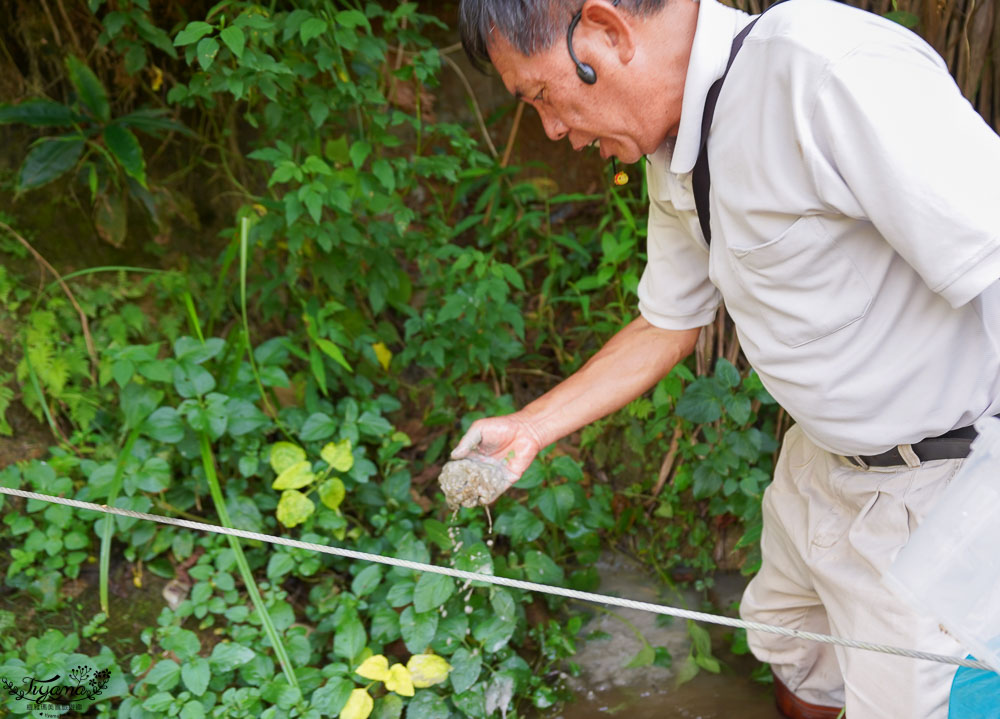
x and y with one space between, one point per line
468 443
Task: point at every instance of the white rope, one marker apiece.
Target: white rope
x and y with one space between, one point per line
505 582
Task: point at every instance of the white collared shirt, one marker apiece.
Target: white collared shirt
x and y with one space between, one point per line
855 211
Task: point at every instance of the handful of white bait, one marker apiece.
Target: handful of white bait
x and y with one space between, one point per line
471 483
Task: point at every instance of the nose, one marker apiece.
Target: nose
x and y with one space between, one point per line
554 127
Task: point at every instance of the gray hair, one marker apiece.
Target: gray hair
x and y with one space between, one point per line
530 26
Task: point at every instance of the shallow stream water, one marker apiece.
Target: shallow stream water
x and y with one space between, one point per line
606 688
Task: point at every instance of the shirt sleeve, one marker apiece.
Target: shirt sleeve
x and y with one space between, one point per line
899 144
674 292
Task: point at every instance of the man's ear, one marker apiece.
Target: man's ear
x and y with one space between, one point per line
607 26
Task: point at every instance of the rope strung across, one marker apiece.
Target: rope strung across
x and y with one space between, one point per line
506 582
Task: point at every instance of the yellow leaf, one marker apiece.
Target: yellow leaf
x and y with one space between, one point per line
359 706
293 508
298 475
427 670
284 455
376 667
332 492
338 455
399 681
157 82
383 354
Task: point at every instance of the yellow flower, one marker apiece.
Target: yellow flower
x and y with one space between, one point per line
427 669
399 681
376 667
359 706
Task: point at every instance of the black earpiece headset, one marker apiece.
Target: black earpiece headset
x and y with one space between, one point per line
585 71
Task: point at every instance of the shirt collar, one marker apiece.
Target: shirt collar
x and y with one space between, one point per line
713 38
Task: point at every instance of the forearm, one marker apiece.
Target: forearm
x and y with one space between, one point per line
632 361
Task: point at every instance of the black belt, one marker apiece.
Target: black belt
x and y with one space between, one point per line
955 444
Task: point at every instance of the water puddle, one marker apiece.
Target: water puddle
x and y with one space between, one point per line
611 639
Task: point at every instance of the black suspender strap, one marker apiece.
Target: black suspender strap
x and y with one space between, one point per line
700 177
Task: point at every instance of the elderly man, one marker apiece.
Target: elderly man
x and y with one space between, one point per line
851 225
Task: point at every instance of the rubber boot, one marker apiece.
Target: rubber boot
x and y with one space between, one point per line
793 707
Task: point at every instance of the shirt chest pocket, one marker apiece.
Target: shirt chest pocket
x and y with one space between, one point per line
802 284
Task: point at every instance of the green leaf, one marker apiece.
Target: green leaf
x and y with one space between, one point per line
417 629
555 503
294 508
297 476
643 658
192 380
318 426
333 352
700 402
125 147
349 636
311 28
383 171
284 455
194 32
164 425
352 19
39 112
466 669
227 656
234 39
738 408
165 674
520 525
359 153
138 402
366 581
389 706
338 455
47 160
332 492
427 705
182 642
88 88
432 591
374 425
904 18
494 633
332 696
244 417
194 350
539 567
207 49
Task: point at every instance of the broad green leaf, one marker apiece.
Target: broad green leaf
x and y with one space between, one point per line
165 675
194 32
88 88
494 633
432 591
227 656
519 524
332 492
466 668
284 455
294 508
417 629
318 426
194 350
331 697
297 476
366 581
207 49
47 160
349 636
383 171
727 374
311 28
39 112
389 706
738 408
700 402
138 402
234 39
904 18
196 675
555 503
244 417
164 425
539 567
125 147
359 153
192 380
338 455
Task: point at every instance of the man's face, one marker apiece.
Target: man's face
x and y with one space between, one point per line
630 110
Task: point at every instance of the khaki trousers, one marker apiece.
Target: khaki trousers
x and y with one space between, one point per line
831 530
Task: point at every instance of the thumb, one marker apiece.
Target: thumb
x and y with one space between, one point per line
468 443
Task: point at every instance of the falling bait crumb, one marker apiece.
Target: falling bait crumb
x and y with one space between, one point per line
470 483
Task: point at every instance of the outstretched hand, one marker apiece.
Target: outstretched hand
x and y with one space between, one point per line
508 442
